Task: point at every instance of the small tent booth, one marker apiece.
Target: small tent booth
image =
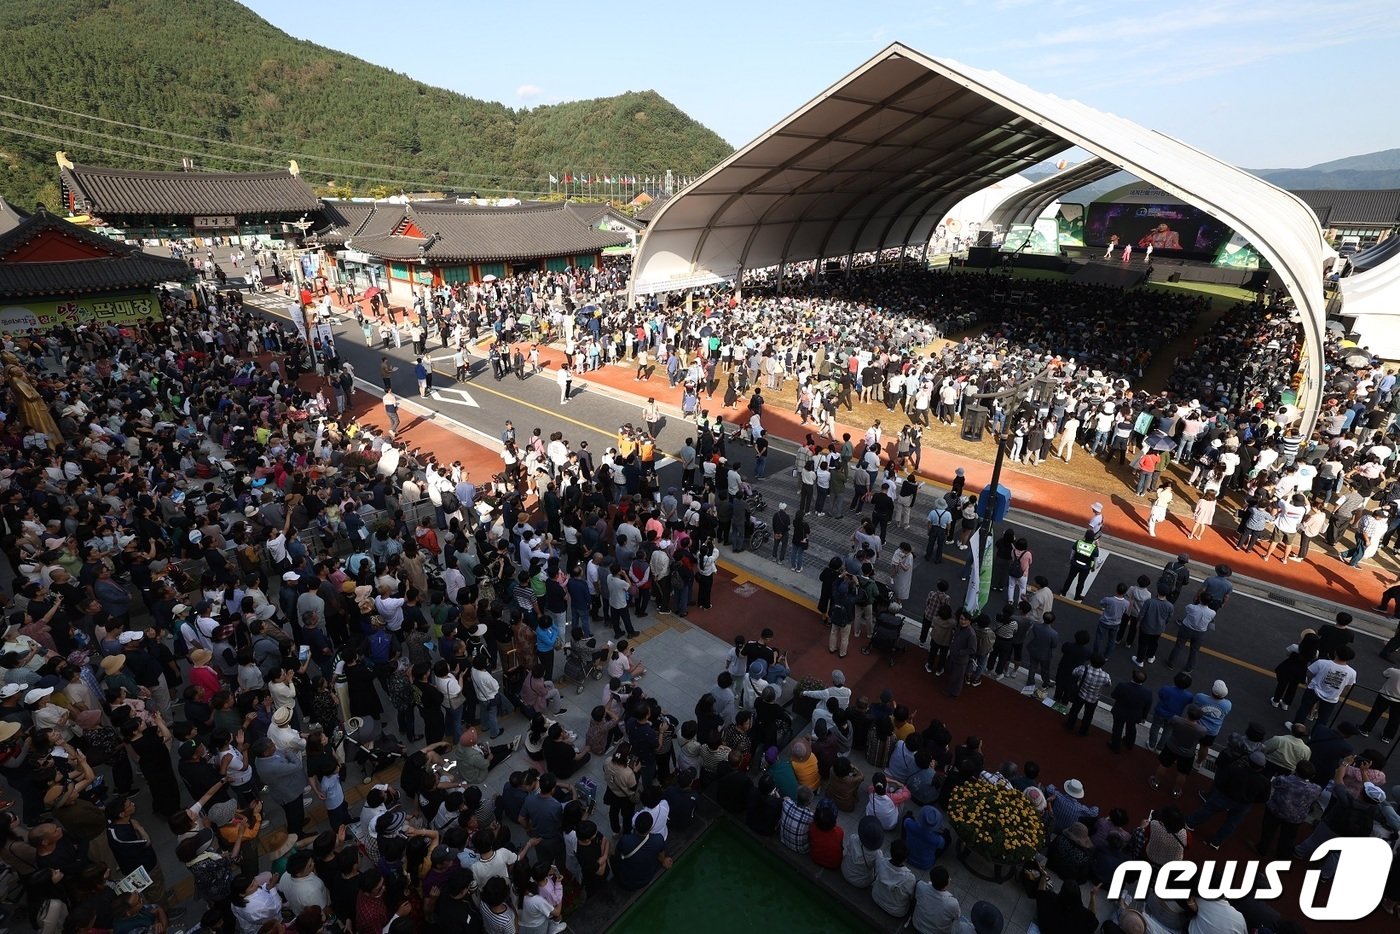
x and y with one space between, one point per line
875 161
1371 298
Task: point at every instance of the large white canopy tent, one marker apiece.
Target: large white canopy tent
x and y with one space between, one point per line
1026 205
875 161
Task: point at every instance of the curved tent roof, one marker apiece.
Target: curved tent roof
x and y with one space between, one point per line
1374 289
875 160
1024 206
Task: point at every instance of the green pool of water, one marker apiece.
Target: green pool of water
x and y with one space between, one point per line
727 882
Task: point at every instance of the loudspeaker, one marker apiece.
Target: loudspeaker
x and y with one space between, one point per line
1174 277
984 238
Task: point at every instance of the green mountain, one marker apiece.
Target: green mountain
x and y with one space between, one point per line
244 95
1366 171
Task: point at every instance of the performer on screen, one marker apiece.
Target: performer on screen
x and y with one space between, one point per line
1161 237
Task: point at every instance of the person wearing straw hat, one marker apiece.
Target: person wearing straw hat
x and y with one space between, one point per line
112 664
283 734
202 675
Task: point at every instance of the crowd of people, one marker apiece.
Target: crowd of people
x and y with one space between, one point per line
1226 417
184 614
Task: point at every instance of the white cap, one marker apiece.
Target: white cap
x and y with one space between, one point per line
37 694
130 636
1097 507
1219 689
11 689
290 576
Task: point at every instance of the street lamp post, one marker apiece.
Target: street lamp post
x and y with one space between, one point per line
294 262
1040 388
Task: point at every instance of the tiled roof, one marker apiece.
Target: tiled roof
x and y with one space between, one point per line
341 220
113 192
1379 207
590 214
124 266
26 280
381 221
648 212
468 233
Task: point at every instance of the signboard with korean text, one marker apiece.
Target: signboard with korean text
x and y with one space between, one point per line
134 308
215 222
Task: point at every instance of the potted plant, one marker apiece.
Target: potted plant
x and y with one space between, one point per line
997 826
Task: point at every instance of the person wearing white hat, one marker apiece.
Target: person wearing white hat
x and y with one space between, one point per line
1214 707
48 715
1095 522
1067 804
283 734
939 521
781 524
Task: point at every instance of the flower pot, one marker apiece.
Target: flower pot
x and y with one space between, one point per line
984 866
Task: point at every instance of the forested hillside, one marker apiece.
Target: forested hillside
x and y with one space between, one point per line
247 96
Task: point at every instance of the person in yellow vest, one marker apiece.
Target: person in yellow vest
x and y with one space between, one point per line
626 444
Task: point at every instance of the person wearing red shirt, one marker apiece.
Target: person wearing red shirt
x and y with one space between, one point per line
827 838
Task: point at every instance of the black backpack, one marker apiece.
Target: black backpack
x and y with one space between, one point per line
1167 582
1351 815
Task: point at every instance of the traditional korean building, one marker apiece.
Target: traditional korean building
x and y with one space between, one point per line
141 205
53 272
400 247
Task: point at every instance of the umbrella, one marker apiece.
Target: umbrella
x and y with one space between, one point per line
1336 327
373 291
1159 442
488 278
1357 358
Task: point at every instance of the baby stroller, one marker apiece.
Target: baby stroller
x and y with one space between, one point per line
582 661
370 747
885 638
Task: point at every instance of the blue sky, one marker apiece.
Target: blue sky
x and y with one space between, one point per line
1262 83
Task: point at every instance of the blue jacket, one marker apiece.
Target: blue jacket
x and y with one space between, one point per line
380 645
1171 701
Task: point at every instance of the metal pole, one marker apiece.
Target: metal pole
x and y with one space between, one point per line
996 480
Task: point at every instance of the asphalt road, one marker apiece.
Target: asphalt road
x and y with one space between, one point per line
1252 632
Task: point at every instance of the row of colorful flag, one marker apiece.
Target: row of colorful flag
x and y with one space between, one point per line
629 181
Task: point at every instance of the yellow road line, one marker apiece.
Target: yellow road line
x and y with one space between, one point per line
472 385
742 576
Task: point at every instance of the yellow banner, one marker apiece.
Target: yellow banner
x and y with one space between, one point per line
107 309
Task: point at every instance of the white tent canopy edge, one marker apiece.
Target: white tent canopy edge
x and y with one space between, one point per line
877 159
